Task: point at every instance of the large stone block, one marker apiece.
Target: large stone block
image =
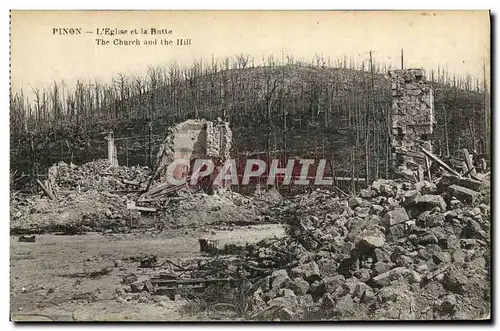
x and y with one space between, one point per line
394 217
463 194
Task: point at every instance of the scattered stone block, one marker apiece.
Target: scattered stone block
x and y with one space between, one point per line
372 238
279 278
137 287
308 271
382 255
394 217
299 286
285 292
449 304
332 284
397 231
429 201
129 278
328 301
463 194
388 277
328 267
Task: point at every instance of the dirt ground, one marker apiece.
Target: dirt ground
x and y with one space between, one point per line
43 285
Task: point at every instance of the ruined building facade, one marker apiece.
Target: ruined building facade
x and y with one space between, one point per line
196 139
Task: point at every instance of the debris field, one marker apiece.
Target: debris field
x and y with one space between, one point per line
400 249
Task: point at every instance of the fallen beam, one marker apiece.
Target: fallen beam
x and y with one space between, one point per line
347 179
469 183
191 281
410 153
45 190
132 206
462 193
468 162
340 191
440 162
428 168
131 182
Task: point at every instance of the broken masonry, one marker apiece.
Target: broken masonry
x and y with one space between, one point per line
191 140
412 120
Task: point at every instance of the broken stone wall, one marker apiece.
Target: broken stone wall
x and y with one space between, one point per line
412 115
189 140
219 140
197 139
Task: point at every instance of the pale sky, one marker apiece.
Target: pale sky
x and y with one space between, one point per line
458 39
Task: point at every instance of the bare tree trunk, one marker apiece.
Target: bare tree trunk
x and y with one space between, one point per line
353 187
486 111
447 145
472 135
150 144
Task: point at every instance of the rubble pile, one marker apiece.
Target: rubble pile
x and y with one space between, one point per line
403 249
225 270
96 175
97 196
223 207
80 198
76 213
398 251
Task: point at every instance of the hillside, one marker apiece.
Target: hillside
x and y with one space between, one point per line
302 110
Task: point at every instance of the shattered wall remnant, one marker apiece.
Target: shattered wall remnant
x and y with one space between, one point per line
219 140
112 152
412 116
197 139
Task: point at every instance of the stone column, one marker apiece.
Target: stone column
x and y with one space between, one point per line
412 117
112 153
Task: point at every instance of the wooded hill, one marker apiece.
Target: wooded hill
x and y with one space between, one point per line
329 110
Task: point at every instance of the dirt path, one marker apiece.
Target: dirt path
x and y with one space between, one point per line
41 282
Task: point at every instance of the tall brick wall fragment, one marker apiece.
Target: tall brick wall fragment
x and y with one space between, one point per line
196 139
412 117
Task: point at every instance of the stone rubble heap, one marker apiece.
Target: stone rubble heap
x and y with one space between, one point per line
94 194
96 175
399 251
